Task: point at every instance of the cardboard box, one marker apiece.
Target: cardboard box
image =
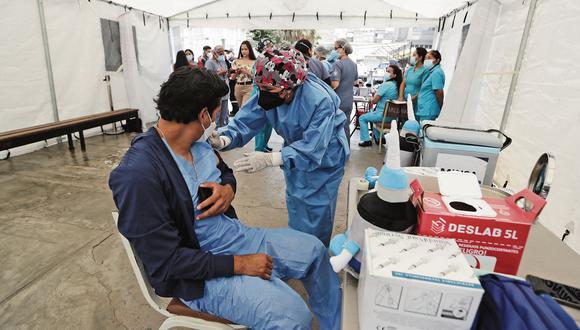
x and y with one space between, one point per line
491 231
414 282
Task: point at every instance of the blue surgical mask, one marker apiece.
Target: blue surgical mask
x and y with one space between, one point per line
221 58
333 56
387 76
429 64
413 60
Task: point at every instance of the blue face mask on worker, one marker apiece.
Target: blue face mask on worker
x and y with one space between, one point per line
333 56
268 100
429 64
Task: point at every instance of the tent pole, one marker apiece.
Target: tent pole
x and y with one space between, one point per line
518 66
47 60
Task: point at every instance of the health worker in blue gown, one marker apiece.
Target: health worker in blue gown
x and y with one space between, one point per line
304 112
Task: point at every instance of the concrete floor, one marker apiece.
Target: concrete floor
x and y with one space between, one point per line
63 265
62 262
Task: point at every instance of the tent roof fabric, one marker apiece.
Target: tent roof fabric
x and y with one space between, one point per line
198 8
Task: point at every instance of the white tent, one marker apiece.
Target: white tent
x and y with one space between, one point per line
509 64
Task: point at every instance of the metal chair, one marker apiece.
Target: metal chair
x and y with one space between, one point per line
176 312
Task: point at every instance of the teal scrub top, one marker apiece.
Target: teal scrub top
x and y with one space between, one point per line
414 80
387 91
427 101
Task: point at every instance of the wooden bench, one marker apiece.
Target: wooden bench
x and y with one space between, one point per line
20 137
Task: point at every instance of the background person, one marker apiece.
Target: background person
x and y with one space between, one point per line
321 53
190 58
414 76
204 57
180 60
243 67
344 74
314 65
388 90
430 100
263 137
217 64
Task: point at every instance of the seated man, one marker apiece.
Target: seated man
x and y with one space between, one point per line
210 260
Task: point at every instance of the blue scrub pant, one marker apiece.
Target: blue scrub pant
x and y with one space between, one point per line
263 137
421 118
311 200
224 117
364 120
263 304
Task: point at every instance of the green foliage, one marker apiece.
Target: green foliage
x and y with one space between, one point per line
284 36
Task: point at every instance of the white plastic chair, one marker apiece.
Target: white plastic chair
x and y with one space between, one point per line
157 302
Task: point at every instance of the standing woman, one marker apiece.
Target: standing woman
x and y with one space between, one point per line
389 90
304 112
344 74
414 76
180 60
431 94
242 68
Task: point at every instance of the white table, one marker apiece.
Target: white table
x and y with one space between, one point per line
537 260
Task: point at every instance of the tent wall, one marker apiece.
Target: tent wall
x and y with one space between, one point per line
78 63
24 89
544 115
450 40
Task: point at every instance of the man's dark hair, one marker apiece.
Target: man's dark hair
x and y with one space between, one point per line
206 48
187 91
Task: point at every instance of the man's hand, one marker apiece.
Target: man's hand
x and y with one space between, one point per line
221 199
259 265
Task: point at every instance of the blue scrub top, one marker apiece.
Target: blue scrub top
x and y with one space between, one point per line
427 101
387 91
414 79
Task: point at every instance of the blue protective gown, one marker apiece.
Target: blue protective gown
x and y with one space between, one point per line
314 153
428 108
252 301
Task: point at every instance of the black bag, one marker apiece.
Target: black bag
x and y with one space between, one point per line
133 125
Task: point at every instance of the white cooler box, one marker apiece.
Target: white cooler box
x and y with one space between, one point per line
451 147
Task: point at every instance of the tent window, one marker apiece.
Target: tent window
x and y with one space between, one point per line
111 44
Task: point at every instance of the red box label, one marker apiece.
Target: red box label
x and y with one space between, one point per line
493 244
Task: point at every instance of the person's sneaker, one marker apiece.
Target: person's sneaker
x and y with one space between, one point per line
269 149
365 144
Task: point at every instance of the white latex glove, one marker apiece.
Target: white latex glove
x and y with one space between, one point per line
218 142
256 161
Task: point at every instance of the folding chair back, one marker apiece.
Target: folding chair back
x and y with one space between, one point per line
158 304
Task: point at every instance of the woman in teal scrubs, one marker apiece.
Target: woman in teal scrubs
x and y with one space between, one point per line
414 76
389 90
430 98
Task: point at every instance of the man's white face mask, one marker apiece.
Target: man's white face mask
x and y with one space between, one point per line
207 131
